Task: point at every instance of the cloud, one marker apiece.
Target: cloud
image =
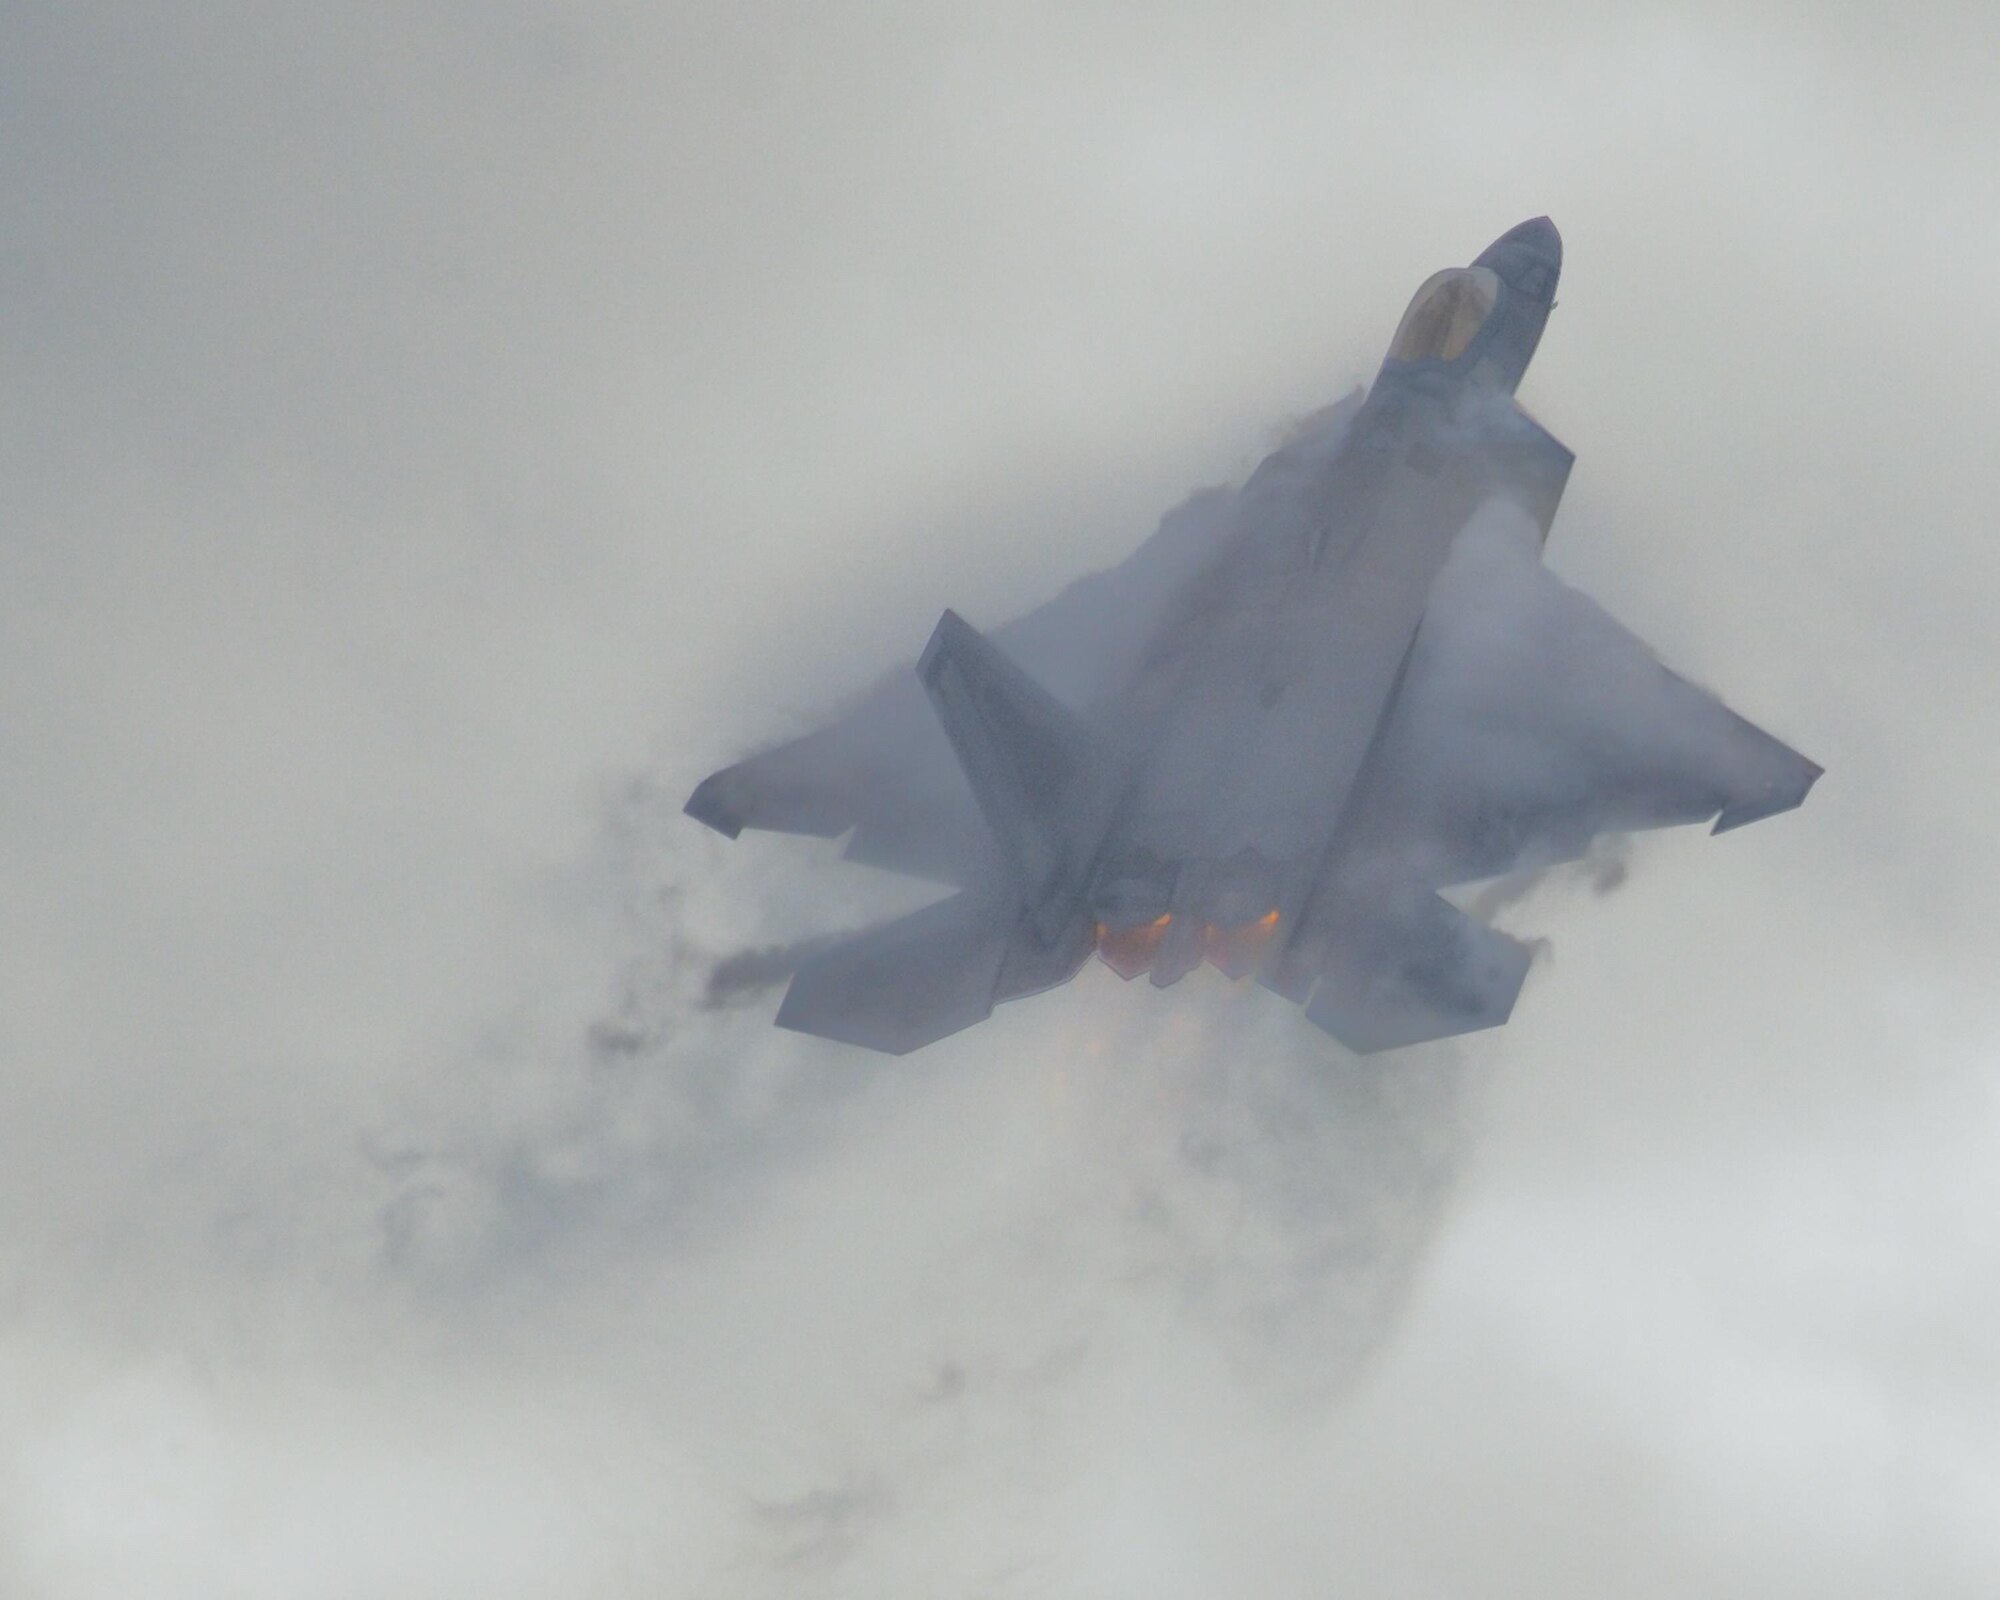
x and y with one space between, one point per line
746 974
414 420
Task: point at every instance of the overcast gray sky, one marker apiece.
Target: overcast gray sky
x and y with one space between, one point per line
436 436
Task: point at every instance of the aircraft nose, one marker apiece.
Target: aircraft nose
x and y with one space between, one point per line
1537 236
1528 255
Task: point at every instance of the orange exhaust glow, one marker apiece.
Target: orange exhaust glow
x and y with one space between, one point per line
1130 951
1236 950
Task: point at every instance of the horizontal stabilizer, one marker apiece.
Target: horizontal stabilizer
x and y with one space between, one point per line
1426 971
935 972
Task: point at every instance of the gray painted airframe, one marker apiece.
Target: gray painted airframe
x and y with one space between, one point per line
1272 736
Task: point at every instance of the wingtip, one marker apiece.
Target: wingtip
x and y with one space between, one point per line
710 805
1775 801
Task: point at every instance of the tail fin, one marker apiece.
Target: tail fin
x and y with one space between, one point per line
1034 772
1029 760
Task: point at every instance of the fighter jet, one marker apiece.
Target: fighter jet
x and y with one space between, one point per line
1272 736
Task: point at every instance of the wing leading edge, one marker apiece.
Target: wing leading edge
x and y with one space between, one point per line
1531 721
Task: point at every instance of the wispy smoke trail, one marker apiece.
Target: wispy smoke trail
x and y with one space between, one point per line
738 978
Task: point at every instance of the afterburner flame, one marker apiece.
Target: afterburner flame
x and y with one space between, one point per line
1130 951
1236 950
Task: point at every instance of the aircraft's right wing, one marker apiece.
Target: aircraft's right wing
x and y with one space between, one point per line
1530 721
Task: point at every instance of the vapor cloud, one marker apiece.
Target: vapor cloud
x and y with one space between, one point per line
744 974
413 420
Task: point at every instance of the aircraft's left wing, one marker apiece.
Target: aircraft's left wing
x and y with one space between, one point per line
884 768
1530 721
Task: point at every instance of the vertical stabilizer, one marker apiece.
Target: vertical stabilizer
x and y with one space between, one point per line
1033 768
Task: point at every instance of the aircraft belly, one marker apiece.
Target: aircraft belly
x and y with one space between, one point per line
1276 702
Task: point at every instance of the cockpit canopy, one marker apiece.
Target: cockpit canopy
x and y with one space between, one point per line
1446 314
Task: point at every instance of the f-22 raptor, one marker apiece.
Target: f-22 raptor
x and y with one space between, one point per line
1270 737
